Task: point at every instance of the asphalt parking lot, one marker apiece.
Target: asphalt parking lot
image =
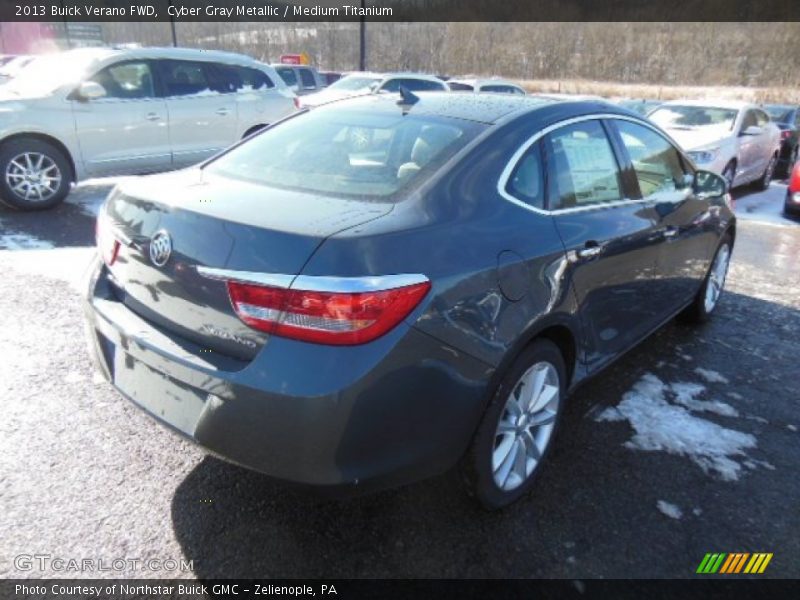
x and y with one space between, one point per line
688 445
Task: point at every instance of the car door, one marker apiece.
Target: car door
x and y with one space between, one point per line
749 149
665 179
126 131
766 140
611 240
202 110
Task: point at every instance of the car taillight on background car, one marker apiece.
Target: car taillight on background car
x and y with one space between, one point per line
336 318
107 244
786 134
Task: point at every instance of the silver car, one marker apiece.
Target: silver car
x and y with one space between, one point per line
96 112
731 138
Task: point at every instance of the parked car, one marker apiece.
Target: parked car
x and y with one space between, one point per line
301 79
734 139
640 105
791 205
330 77
560 97
11 68
359 83
96 112
787 118
372 315
493 85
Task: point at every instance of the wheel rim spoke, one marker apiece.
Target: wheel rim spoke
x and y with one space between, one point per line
33 176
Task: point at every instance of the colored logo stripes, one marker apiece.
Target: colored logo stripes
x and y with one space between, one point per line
735 562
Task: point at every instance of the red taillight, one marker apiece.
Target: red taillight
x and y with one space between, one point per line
107 244
336 318
794 181
786 134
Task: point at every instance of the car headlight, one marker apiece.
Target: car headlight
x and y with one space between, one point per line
704 156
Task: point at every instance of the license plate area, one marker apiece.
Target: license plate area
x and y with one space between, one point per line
164 397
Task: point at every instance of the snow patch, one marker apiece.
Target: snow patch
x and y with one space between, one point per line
711 376
686 395
672 511
697 512
660 425
735 396
791 427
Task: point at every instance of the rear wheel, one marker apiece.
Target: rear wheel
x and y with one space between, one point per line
699 311
763 182
518 427
34 175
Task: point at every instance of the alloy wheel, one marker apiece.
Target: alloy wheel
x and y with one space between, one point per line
716 277
526 426
33 176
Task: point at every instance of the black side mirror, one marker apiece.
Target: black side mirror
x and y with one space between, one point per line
709 185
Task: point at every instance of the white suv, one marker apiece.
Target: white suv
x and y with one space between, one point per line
97 112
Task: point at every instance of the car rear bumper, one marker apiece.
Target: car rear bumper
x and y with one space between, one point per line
345 419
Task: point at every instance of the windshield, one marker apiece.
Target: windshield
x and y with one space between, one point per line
348 152
45 74
694 117
353 83
779 114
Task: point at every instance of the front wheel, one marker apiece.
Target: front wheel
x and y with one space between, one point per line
699 311
34 175
729 174
518 427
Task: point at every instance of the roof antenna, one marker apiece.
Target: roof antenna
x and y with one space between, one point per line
407 97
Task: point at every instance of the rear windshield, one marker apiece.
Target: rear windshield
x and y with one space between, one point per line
348 152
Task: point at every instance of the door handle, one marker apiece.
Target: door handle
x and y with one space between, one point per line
152 116
223 111
670 232
590 250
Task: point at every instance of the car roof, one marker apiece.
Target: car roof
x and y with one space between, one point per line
101 52
730 104
482 108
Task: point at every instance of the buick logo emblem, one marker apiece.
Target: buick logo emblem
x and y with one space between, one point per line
160 248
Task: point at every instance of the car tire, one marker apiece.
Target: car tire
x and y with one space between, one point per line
763 182
729 173
525 432
707 298
38 168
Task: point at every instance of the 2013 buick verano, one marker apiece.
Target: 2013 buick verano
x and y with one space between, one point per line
374 291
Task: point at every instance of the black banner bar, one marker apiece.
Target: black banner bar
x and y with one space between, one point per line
399 10
709 588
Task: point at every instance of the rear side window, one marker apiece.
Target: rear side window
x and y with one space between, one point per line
658 165
460 87
254 80
749 120
183 78
761 118
347 152
527 180
288 75
582 169
412 85
500 89
307 78
223 79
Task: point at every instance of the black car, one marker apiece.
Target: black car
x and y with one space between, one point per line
379 289
787 118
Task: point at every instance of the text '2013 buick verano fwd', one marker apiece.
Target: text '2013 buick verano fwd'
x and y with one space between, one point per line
379 289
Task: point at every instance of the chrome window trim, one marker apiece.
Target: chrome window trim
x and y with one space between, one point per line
502 183
317 283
